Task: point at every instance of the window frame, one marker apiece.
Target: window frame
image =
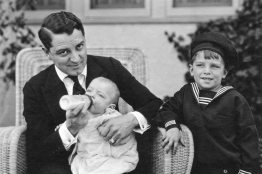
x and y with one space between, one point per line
155 12
34 16
198 12
125 12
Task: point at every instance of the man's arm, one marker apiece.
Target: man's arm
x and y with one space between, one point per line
43 142
135 94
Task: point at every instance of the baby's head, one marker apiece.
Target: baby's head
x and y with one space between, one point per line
104 94
212 57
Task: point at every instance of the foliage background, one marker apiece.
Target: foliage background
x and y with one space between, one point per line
245 31
14 35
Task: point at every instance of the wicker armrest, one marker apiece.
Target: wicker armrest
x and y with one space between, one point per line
12 150
173 162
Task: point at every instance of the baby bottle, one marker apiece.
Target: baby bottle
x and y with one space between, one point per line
71 101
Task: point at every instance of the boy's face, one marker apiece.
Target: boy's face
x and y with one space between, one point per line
101 94
68 52
208 72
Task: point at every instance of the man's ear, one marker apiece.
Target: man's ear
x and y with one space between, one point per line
46 51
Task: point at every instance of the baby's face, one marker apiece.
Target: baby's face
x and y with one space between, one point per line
101 94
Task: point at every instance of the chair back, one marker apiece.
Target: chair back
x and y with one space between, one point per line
179 161
30 61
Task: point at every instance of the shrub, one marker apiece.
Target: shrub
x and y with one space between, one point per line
14 35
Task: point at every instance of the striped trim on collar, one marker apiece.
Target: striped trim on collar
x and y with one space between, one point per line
205 100
222 91
243 172
195 90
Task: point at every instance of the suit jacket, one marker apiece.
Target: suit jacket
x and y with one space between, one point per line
43 113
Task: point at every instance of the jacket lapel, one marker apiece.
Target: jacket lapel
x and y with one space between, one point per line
53 90
94 69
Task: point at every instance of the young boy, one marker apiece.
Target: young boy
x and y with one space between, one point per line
223 128
93 154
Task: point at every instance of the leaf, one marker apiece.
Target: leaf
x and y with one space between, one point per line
14 35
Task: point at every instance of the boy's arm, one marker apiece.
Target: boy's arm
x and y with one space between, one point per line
247 138
169 117
170 113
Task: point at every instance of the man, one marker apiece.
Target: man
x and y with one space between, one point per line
48 148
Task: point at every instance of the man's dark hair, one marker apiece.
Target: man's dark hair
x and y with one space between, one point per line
58 23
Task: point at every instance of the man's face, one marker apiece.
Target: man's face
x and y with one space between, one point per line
68 52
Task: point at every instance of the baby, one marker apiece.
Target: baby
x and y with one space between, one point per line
92 153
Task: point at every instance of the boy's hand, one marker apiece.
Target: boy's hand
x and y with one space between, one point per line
170 139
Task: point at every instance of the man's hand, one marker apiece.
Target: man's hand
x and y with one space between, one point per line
170 139
77 118
115 130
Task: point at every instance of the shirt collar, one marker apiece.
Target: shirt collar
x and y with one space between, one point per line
221 91
63 75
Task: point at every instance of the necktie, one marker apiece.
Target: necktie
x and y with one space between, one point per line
77 88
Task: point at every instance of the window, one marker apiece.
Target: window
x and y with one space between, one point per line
136 11
116 4
201 3
117 8
50 4
200 8
44 8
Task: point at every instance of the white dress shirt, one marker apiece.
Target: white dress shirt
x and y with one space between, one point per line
67 138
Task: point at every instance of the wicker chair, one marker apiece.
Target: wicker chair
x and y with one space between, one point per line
32 60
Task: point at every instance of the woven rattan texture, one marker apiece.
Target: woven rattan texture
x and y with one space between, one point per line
12 150
177 162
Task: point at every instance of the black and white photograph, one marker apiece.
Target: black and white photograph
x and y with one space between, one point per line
130 87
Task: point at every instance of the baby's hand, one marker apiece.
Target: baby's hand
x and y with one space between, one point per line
170 139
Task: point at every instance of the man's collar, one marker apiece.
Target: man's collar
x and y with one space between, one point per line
63 75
